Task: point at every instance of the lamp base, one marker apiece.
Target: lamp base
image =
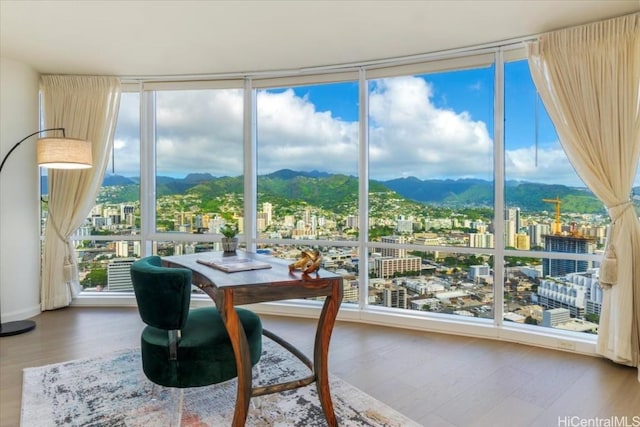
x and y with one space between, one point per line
16 328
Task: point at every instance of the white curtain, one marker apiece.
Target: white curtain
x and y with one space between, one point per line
87 107
589 80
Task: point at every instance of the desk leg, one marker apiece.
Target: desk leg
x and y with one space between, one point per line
321 353
243 359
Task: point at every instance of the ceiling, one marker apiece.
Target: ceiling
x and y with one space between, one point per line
173 38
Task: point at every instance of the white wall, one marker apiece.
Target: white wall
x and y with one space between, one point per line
19 193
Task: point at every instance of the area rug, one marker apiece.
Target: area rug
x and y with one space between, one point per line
113 391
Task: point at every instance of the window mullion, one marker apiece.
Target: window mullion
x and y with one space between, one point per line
363 190
498 179
147 170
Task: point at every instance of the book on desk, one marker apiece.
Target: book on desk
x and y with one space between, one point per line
233 264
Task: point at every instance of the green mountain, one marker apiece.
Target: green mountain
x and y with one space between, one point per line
334 192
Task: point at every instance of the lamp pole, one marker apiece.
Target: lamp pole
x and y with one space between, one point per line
20 326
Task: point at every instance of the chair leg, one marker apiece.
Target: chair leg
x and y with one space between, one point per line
154 396
256 402
180 408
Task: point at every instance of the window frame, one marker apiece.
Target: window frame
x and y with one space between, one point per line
495 328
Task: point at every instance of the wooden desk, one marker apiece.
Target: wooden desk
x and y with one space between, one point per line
230 289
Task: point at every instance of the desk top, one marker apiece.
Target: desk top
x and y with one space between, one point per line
277 274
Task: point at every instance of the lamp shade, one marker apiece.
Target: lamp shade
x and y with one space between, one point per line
64 153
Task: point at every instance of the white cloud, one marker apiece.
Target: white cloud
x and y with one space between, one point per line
551 166
292 134
201 131
409 136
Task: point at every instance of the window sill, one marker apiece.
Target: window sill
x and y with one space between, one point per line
538 336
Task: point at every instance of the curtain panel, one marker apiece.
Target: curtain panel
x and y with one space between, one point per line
589 80
87 107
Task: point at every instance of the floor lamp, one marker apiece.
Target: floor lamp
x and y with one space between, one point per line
55 153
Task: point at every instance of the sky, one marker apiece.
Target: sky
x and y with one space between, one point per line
436 126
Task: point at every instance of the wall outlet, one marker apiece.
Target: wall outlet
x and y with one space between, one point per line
566 345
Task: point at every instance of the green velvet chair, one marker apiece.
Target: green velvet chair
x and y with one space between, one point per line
181 347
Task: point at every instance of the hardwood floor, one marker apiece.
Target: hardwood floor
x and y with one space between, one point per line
436 379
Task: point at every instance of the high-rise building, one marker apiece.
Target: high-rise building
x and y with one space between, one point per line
481 240
510 233
568 244
267 209
393 252
119 275
513 214
536 233
262 221
122 248
522 241
394 297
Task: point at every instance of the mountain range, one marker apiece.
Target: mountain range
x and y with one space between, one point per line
331 191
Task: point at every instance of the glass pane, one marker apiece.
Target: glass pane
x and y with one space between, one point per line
169 248
307 141
199 160
569 301
340 260
543 194
117 207
103 265
431 166
431 159
439 282
548 208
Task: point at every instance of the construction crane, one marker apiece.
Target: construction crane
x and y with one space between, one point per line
557 229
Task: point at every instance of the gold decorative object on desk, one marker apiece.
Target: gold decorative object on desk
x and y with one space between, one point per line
309 262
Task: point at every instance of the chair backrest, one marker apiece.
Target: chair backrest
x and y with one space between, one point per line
163 294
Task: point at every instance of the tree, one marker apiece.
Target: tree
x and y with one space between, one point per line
593 318
96 277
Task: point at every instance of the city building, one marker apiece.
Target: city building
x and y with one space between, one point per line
425 304
551 318
589 280
393 252
387 266
567 244
522 241
263 50
478 272
119 275
404 225
394 297
559 293
481 240
536 233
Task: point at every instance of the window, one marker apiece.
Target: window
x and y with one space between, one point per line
431 168
199 160
109 240
307 156
547 208
432 238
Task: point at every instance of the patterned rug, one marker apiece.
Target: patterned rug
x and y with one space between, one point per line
113 391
